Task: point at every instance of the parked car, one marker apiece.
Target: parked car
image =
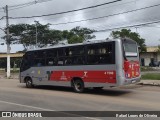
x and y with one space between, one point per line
154 64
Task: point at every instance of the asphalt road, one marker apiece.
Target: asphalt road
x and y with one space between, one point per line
14 96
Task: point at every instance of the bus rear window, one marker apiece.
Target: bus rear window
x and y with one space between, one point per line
130 48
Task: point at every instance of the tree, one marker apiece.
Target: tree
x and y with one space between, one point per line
78 35
75 39
132 35
26 34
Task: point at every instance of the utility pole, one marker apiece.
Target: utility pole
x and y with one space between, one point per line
136 29
36 32
8 43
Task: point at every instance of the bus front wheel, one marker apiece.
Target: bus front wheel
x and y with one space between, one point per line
29 83
78 85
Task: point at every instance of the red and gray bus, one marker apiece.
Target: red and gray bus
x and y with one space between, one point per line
97 64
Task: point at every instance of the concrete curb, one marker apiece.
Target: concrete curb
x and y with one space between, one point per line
150 83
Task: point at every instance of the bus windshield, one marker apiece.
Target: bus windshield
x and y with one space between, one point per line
130 48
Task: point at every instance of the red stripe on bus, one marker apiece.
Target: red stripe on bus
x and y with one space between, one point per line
87 76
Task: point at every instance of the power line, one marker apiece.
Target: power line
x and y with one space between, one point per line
89 11
153 26
18 6
27 4
130 26
126 23
130 11
68 11
2 17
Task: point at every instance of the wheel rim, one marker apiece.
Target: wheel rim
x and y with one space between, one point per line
29 83
78 86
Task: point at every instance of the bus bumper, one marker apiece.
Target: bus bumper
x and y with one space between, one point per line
132 81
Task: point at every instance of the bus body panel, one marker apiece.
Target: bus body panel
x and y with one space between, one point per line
106 75
62 75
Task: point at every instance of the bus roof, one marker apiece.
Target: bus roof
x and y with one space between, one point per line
84 43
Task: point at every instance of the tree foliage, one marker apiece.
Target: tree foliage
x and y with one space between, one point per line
132 35
78 35
75 39
84 33
26 34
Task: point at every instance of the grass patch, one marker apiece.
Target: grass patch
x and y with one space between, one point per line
143 69
14 71
151 76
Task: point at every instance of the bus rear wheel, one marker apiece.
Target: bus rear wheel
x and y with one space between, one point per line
78 85
29 83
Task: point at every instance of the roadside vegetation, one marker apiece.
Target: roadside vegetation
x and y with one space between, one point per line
13 70
151 76
143 69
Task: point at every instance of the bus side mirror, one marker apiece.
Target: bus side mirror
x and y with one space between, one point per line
126 65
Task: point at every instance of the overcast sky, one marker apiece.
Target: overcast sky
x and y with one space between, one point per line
150 33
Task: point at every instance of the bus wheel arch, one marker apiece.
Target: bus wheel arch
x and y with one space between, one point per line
29 82
78 84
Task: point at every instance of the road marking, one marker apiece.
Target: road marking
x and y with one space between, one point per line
92 118
28 106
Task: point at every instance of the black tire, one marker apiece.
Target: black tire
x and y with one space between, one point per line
29 83
78 86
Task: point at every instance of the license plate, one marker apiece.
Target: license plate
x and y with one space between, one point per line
133 81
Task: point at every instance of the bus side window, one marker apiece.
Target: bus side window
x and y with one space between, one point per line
68 61
39 65
101 53
51 57
79 60
38 58
105 57
40 62
25 65
60 61
107 54
92 54
60 58
60 52
74 55
51 61
26 62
